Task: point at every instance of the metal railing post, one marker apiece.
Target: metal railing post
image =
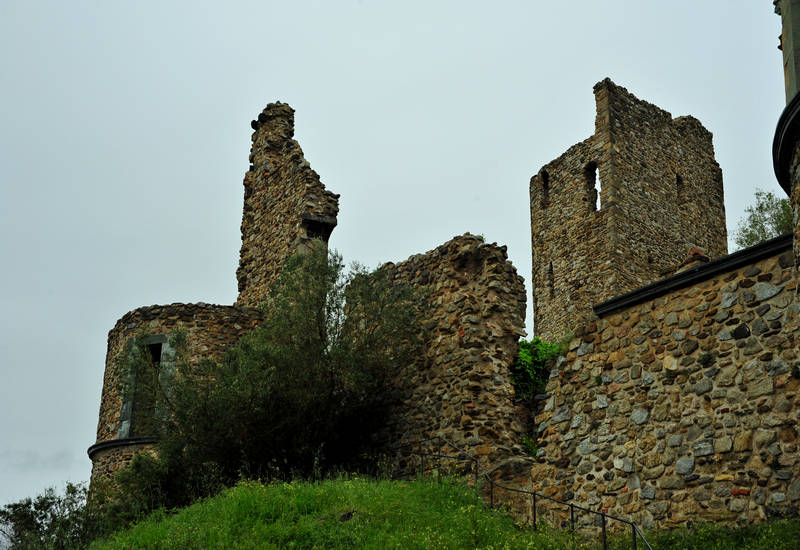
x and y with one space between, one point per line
422 459
605 541
534 512
491 494
476 474
633 534
439 461
572 516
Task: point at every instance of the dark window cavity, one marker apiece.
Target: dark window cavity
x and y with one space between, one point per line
592 186
544 177
317 228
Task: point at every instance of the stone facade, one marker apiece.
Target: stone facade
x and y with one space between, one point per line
286 206
684 406
460 388
660 196
210 329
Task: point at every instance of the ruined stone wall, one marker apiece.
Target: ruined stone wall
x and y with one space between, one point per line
660 195
683 407
286 206
460 387
210 329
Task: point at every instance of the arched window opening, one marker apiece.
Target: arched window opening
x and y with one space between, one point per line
680 189
545 179
593 186
550 279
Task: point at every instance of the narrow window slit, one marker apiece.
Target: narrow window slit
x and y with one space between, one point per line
545 178
593 186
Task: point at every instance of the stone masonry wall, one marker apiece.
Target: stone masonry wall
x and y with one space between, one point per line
460 387
685 407
286 206
794 197
107 462
660 195
210 330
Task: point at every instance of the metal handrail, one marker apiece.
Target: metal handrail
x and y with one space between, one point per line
464 456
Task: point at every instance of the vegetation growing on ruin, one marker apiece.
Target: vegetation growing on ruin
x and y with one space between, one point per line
531 369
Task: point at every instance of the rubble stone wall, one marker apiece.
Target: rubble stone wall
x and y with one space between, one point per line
210 329
683 407
286 206
660 195
460 388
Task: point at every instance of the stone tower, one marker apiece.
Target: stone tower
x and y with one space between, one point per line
621 209
286 207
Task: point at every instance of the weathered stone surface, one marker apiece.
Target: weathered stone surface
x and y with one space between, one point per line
703 448
640 416
765 291
723 444
684 466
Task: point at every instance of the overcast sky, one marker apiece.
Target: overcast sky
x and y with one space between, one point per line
125 132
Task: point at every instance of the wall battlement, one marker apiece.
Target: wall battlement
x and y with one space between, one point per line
660 194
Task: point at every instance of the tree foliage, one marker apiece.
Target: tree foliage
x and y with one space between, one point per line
301 395
769 217
50 521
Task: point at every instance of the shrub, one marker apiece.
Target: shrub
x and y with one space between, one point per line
300 395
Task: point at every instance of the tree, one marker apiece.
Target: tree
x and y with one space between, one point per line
769 217
48 521
302 394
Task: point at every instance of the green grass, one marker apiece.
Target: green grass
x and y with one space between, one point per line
362 513
344 513
770 535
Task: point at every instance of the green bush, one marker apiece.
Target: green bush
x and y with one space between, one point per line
302 395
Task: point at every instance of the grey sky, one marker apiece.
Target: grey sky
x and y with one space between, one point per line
124 136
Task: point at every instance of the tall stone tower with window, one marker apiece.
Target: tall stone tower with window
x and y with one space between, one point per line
621 209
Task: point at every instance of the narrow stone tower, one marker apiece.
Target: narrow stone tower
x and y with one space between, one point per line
621 209
286 206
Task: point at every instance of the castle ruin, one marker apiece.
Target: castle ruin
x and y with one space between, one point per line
679 395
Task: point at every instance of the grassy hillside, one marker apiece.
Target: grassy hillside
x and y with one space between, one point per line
360 513
354 513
